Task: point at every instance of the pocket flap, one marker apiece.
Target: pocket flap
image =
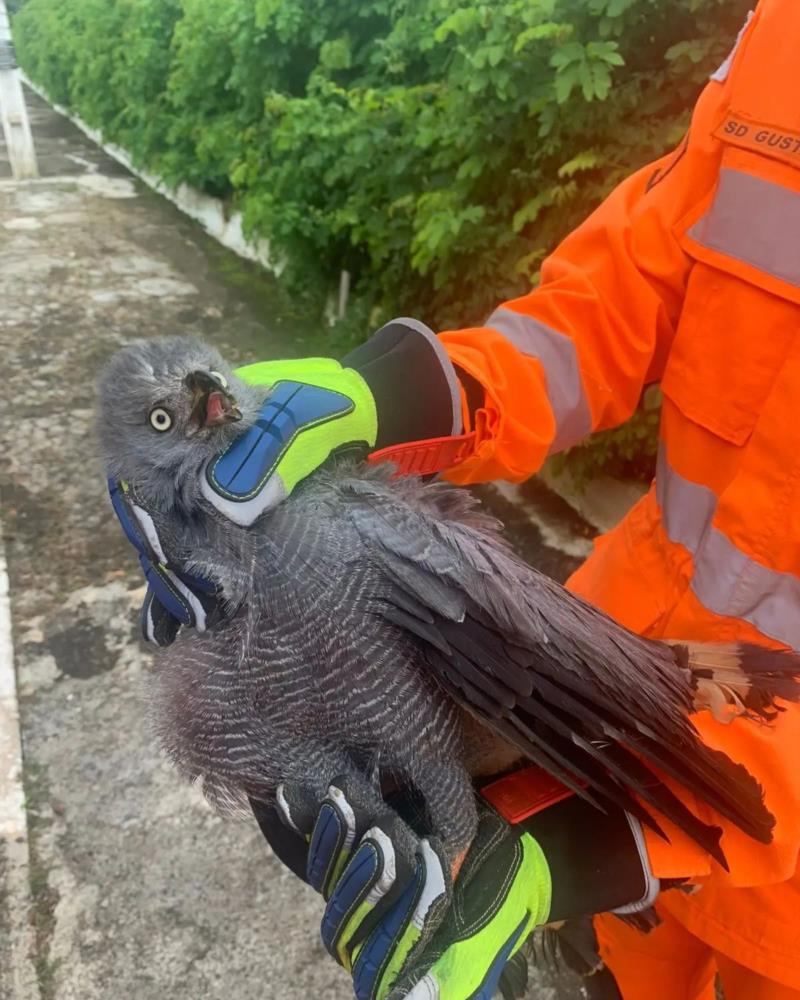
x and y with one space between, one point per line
750 224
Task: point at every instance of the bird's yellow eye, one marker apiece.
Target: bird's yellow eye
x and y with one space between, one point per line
220 378
160 419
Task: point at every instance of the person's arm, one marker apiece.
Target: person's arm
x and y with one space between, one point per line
573 356
548 369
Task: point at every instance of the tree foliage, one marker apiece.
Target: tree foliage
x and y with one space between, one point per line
436 149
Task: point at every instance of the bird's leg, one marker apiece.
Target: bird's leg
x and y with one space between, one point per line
449 797
362 791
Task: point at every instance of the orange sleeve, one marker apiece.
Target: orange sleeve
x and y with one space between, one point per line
763 750
574 355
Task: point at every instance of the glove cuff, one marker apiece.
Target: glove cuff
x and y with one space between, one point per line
415 386
598 860
288 846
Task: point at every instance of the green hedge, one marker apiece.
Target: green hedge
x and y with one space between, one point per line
436 149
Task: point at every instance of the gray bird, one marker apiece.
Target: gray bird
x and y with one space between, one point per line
379 625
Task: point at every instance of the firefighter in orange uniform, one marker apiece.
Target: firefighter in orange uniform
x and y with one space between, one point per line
688 275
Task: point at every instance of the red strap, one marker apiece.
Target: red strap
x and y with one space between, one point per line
423 458
525 793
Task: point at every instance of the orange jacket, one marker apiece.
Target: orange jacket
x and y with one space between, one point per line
689 274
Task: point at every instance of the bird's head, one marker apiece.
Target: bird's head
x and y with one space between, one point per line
165 408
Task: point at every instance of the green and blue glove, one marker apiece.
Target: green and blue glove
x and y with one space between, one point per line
404 931
174 598
313 408
397 396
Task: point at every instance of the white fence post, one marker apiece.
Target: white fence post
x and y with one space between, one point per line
13 113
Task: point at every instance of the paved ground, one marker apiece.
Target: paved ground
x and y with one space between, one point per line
139 891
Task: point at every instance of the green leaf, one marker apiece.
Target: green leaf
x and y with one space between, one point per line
607 52
695 51
459 23
541 32
473 166
587 160
530 211
568 54
336 54
567 80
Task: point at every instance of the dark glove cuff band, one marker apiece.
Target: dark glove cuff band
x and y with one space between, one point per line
289 847
413 381
598 861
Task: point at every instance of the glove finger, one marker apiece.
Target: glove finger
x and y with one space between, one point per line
158 625
202 587
368 888
215 609
298 807
124 509
218 611
333 826
405 926
332 841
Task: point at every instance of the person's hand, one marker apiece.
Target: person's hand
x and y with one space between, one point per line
313 407
396 398
174 597
401 929
395 920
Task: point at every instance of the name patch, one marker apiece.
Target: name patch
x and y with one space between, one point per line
769 140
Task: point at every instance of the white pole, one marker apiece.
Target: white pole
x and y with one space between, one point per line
13 113
344 290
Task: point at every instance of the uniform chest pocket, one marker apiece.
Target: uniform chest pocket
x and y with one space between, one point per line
741 316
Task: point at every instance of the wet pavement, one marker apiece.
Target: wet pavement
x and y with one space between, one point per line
138 889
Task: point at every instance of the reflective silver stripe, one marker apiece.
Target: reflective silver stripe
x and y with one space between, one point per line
559 359
756 222
730 583
652 885
726 580
686 508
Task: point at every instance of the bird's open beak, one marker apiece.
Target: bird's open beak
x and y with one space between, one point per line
211 404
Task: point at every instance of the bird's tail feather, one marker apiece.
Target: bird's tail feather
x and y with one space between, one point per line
735 679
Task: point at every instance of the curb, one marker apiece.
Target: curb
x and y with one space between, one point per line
13 819
603 502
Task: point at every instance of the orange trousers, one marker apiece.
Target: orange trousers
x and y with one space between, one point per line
669 963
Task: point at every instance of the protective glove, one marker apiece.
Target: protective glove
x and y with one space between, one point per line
174 597
313 408
539 854
397 398
403 930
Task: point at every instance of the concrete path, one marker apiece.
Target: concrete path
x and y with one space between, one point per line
136 889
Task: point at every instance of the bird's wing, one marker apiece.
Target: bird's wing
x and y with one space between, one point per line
551 674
